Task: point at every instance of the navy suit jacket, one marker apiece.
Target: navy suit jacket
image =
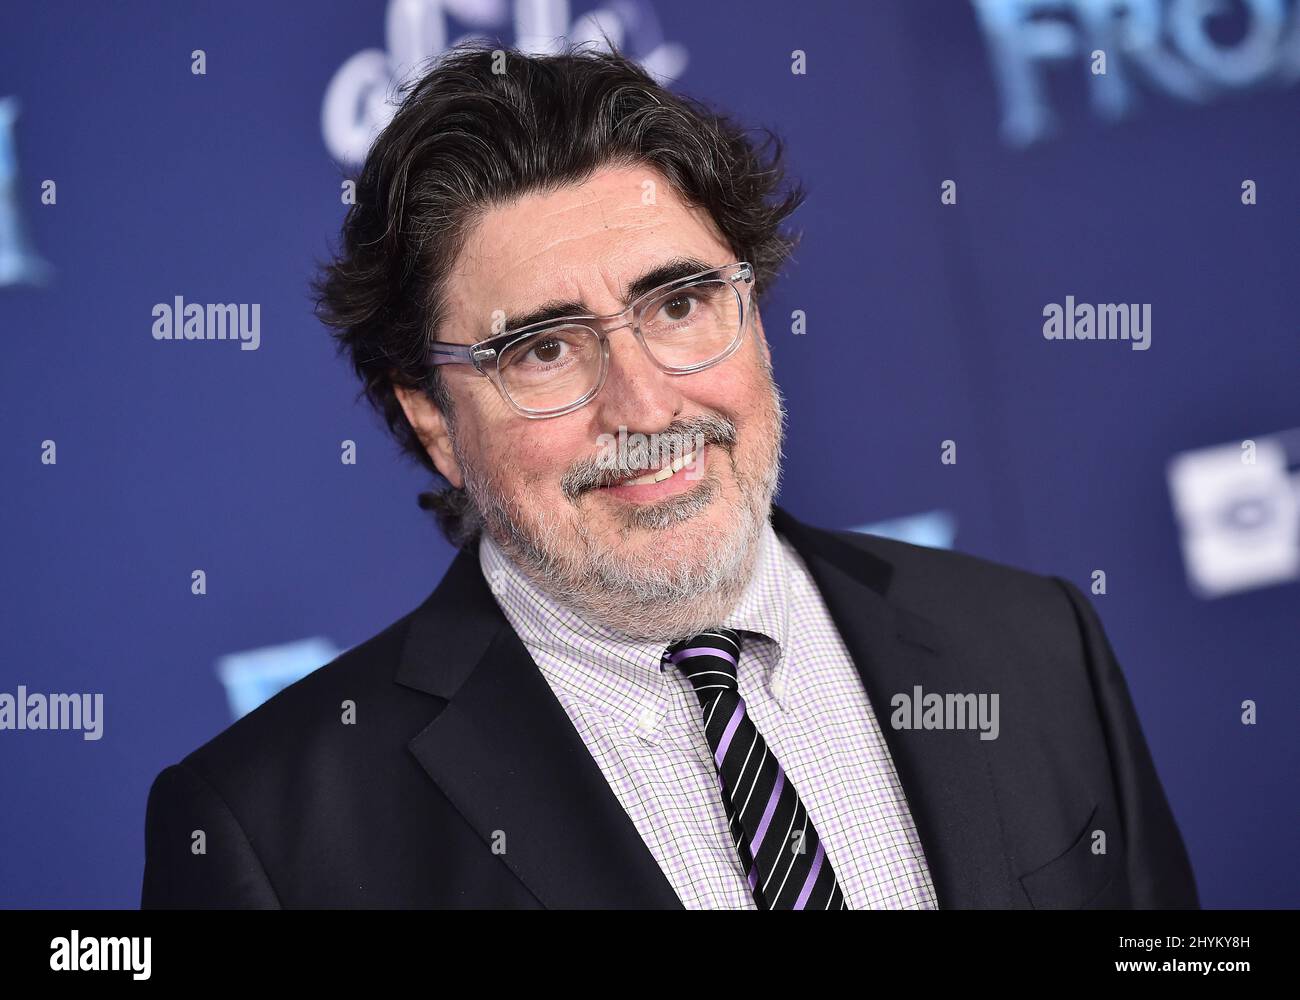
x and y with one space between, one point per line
460 749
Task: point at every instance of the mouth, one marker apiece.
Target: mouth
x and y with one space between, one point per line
657 484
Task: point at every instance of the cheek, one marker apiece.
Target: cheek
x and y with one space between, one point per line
532 457
742 398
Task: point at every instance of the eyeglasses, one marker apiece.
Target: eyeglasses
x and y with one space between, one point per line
551 368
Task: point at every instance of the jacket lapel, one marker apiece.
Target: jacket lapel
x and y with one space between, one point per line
506 755
944 775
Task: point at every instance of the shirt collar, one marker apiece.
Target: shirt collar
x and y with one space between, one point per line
624 678
764 607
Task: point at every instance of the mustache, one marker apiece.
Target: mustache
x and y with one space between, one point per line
680 438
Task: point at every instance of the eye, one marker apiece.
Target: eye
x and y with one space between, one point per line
546 351
552 350
676 308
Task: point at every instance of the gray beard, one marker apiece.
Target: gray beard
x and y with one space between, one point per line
679 594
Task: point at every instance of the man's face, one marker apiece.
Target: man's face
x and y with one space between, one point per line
650 561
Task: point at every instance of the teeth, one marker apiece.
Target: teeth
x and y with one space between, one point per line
662 474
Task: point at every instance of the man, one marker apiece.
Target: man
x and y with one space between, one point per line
641 683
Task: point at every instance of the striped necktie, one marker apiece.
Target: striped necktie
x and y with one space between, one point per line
778 846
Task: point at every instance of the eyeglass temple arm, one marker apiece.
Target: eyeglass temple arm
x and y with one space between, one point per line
442 353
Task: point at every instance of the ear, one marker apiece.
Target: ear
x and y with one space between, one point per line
431 428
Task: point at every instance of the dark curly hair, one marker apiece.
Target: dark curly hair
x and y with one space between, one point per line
467 137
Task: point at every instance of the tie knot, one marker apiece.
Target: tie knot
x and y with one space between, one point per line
708 660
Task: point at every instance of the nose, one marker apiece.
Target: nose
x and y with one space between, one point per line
637 394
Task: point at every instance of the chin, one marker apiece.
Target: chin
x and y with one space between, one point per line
687 559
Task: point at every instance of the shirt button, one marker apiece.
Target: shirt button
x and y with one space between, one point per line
778 688
647 719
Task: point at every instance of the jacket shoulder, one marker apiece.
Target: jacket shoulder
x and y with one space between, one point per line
929 575
310 717
982 604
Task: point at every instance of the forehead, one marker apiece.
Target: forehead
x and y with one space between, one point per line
584 242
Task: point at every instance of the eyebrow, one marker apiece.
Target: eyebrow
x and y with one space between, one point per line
662 274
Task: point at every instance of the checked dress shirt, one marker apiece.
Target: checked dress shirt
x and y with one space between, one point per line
644 730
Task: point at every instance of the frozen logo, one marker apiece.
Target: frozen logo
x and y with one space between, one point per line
359 100
1193 50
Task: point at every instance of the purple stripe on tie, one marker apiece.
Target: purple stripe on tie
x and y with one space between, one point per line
812 878
769 811
686 654
728 733
753 877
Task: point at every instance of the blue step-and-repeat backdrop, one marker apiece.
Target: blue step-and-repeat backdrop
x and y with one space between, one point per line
983 176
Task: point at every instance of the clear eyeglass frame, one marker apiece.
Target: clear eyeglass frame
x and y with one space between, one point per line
485 355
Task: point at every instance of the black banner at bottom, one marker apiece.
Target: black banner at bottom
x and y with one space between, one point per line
335 948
